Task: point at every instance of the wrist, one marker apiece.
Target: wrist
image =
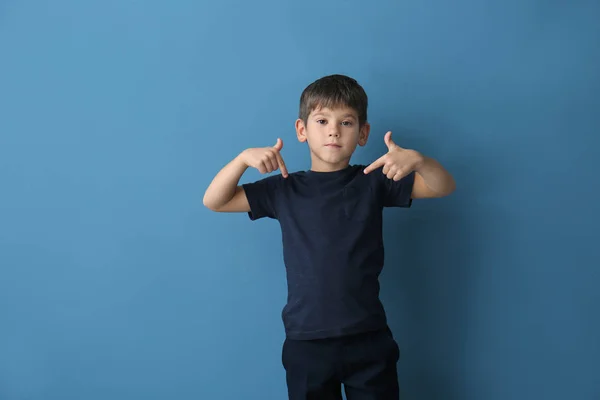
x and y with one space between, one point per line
241 159
420 160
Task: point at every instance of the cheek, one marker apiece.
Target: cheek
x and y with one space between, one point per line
315 132
352 134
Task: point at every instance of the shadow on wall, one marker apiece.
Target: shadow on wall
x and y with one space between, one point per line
432 263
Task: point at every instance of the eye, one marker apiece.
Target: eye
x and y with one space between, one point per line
321 121
347 123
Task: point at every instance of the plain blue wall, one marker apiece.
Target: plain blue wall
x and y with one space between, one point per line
116 283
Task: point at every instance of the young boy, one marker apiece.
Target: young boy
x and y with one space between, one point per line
331 223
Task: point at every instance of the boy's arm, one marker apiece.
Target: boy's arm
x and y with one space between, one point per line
225 195
432 180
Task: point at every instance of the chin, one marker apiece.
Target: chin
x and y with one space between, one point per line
335 160
331 159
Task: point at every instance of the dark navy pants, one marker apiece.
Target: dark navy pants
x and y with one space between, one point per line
365 364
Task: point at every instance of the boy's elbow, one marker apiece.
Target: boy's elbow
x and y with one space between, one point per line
212 207
451 188
209 204
215 206
447 191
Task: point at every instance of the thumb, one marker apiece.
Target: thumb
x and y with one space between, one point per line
388 140
279 145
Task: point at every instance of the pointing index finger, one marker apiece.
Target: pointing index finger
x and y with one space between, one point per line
374 165
282 166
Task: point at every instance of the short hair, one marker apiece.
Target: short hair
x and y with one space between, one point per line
334 91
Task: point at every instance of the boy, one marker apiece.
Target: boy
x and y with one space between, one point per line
331 223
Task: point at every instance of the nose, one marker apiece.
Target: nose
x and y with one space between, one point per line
334 131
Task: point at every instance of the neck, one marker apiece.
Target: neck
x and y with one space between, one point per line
325 167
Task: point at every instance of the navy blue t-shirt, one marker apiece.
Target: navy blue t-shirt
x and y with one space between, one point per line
331 225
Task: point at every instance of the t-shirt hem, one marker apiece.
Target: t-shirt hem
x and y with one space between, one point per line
333 333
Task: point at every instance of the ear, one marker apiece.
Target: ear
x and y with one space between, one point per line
363 135
301 130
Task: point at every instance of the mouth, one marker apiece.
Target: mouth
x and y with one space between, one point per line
335 146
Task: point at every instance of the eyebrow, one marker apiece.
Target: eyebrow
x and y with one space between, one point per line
327 115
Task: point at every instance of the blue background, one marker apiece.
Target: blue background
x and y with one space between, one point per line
115 281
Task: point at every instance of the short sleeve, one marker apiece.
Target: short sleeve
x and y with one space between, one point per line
261 197
397 193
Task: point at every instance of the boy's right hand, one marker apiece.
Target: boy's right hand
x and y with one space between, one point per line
265 159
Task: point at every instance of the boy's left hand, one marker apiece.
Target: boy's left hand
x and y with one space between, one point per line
397 162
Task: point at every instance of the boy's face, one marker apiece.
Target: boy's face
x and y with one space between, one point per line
332 136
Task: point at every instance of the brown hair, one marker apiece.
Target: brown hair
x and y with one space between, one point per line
334 91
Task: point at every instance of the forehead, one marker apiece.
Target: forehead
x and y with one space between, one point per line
338 112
